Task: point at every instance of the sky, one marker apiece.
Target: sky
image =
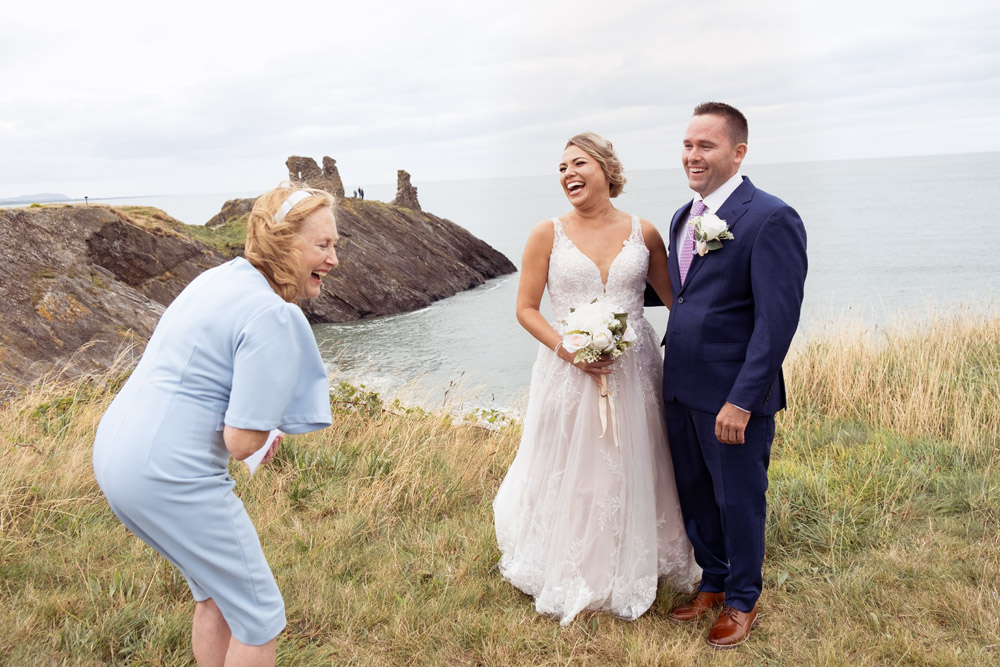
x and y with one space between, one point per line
106 98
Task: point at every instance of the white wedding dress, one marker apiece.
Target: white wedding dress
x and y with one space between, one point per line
581 523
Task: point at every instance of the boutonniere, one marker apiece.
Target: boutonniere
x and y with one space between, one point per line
709 233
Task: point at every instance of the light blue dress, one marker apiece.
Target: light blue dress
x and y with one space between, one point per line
228 350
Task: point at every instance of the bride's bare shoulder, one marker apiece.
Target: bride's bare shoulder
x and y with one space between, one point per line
543 232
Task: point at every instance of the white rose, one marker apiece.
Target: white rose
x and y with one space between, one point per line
629 335
594 316
578 318
711 227
576 341
603 339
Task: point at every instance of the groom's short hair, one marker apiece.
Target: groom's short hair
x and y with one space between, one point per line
736 122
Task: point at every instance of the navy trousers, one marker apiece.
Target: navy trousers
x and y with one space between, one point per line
722 492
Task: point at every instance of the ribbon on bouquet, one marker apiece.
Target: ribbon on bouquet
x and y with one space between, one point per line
606 407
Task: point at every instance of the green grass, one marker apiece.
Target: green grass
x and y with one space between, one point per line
883 534
228 238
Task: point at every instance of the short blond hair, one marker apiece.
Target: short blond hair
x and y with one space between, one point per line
270 245
601 150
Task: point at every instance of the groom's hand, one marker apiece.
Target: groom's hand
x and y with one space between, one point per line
731 424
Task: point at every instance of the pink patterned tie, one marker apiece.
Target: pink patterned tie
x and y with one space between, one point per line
687 246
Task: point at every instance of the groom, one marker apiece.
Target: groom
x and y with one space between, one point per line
735 309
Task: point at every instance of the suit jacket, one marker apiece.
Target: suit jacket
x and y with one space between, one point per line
733 319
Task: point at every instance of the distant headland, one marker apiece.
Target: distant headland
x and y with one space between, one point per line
40 198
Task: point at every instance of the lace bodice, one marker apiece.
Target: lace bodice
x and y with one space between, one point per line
574 278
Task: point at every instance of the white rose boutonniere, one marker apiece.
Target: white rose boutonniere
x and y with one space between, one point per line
709 233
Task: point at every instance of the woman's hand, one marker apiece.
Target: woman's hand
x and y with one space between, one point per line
273 449
595 369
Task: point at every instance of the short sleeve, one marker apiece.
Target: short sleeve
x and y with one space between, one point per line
279 380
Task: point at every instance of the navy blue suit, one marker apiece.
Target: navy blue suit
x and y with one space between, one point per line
729 329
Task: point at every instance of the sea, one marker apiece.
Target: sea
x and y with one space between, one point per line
889 240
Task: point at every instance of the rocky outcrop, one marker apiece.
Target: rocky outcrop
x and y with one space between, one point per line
406 194
78 284
394 260
304 170
234 208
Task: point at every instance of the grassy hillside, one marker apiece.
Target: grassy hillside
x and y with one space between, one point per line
883 533
228 238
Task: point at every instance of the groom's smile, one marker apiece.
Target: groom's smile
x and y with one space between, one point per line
709 157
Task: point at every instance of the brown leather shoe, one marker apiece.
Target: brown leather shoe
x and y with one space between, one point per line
700 604
732 627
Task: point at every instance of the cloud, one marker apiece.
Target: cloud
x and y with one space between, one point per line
125 98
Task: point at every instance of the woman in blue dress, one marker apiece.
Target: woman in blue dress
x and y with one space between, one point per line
231 359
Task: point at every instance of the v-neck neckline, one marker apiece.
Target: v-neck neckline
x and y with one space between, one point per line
604 281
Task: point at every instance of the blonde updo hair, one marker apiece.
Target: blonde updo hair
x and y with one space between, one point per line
270 245
601 150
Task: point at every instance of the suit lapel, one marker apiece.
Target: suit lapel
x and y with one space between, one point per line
737 204
731 211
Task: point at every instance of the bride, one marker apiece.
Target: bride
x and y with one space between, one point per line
583 522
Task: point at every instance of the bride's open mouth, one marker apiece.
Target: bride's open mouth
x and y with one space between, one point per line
574 187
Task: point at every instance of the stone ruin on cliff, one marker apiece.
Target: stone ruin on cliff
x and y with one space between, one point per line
305 170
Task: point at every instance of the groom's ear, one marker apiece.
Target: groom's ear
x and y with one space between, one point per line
739 153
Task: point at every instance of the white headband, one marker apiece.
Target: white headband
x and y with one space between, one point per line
290 203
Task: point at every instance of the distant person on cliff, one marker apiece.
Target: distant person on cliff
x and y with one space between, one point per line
361 193
232 358
588 519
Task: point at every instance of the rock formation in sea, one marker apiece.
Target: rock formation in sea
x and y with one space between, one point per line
78 284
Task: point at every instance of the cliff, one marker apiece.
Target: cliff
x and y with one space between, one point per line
395 260
77 283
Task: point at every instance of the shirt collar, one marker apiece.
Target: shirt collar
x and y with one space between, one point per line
716 199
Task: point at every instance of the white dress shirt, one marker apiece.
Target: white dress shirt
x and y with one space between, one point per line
713 202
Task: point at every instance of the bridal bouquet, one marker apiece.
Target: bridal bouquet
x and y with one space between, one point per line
595 330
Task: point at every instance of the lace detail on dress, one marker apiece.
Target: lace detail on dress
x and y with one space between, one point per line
583 524
574 278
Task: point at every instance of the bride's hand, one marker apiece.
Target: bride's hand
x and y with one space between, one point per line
596 369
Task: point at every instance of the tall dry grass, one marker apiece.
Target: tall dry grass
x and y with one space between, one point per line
930 377
882 536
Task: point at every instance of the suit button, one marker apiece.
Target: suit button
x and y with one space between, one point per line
680 299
